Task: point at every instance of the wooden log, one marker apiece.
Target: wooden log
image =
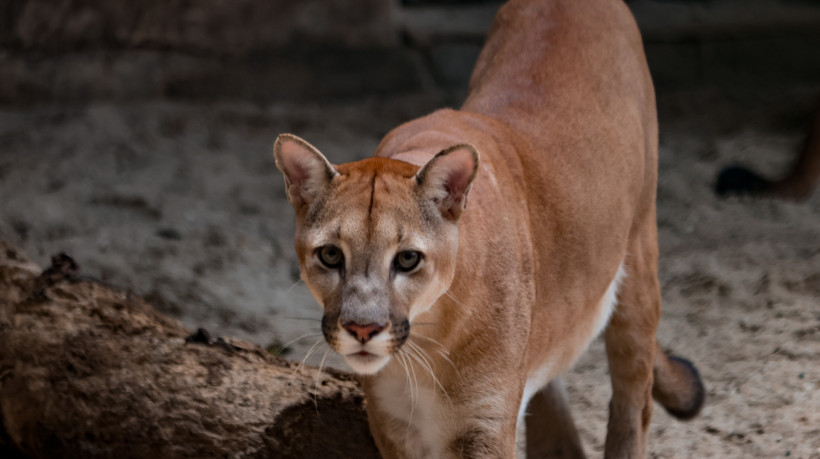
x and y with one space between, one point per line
90 370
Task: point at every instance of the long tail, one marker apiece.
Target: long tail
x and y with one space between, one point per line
796 185
677 385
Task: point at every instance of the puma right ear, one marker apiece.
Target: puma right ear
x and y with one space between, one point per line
307 172
446 179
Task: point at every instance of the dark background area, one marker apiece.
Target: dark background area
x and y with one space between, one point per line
69 51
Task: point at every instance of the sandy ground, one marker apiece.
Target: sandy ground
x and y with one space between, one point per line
182 203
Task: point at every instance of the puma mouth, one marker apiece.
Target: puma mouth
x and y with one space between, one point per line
363 354
365 363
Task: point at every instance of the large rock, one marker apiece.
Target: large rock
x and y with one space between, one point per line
88 370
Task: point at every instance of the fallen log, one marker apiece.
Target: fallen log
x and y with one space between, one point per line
90 370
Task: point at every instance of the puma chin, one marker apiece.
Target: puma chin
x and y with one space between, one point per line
376 241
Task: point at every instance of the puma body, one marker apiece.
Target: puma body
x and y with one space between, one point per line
460 312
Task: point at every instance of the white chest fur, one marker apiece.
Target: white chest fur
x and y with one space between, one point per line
420 410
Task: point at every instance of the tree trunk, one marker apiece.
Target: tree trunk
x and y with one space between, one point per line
87 369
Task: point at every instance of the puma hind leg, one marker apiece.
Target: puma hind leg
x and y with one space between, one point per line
639 369
630 349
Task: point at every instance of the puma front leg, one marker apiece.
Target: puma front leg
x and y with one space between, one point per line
476 438
484 439
551 431
469 421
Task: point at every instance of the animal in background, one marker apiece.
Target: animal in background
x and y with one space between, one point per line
796 185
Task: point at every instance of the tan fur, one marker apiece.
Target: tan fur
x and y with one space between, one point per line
561 112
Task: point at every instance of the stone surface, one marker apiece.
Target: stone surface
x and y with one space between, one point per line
427 25
260 51
454 62
681 20
298 73
341 49
208 26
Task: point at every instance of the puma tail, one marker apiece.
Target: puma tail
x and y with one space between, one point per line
797 184
677 385
739 180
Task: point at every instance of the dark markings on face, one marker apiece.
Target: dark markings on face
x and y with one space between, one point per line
401 331
431 218
372 197
329 325
315 212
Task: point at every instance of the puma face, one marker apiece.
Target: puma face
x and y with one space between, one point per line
376 240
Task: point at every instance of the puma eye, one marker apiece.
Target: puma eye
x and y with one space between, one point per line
331 256
407 261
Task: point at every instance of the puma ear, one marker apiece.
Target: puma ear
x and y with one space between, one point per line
307 172
446 179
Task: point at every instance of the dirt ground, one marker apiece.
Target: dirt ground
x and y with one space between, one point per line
182 203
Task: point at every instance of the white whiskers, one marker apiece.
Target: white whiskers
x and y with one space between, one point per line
411 383
319 376
420 356
293 286
308 335
441 349
302 363
455 300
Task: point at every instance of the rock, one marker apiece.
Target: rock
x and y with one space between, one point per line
92 370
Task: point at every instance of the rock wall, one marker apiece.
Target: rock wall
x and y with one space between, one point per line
207 26
281 49
264 51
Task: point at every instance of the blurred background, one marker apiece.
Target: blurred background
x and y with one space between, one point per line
137 137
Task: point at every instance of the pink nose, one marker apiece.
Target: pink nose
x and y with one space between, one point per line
363 333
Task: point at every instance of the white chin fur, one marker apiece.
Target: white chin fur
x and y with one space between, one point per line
368 365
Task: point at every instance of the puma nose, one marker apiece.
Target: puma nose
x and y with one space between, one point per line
363 333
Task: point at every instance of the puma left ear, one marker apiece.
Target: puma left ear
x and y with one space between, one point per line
307 172
446 179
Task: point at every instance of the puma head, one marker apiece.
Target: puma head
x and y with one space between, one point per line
376 241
